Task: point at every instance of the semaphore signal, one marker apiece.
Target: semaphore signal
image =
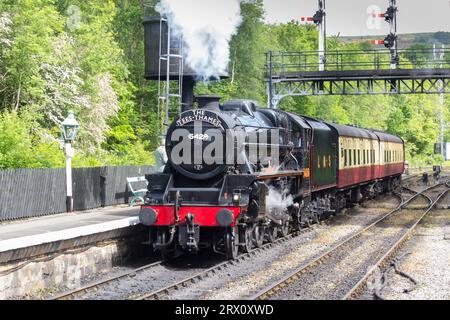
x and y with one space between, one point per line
391 40
320 21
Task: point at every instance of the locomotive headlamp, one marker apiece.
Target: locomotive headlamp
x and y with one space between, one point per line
236 198
148 216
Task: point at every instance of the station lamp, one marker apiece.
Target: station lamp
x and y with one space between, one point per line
69 129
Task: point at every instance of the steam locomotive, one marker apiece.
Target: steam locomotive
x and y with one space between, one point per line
238 175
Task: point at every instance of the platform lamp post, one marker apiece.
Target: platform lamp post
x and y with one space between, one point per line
69 130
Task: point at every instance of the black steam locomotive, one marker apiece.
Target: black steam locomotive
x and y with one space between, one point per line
238 175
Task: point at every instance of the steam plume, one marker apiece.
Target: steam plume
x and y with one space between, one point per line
277 202
207 27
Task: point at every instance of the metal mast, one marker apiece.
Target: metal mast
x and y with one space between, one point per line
391 40
320 19
171 57
439 55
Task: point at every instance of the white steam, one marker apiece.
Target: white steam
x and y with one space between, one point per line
207 27
277 203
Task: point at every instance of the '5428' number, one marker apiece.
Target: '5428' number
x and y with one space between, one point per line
198 136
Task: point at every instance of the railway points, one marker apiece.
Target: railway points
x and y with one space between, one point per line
319 272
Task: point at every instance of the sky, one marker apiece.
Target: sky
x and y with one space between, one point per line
350 17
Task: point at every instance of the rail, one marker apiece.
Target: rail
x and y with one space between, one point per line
294 276
359 287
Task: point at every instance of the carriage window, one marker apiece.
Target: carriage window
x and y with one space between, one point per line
350 157
364 156
359 157
345 157
354 156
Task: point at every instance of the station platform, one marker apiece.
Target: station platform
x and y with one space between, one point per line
29 238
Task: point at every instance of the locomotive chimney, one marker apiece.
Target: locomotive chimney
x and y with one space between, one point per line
210 102
187 100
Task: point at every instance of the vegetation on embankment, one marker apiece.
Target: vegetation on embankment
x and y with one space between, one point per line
87 56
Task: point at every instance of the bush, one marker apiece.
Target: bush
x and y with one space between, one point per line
22 144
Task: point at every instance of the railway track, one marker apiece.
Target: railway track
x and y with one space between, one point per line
304 275
165 292
355 292
92 287
72 294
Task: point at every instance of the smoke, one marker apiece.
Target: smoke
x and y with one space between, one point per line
207 27
277 202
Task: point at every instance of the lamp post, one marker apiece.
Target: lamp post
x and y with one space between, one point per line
69 129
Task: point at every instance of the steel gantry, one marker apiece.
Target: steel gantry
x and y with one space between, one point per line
353 72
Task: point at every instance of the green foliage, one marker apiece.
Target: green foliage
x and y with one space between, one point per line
54 58
20 148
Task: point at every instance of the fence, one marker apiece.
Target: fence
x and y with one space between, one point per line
26 193
282 63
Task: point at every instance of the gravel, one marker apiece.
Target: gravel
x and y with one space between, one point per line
426 258
154 278
335 276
